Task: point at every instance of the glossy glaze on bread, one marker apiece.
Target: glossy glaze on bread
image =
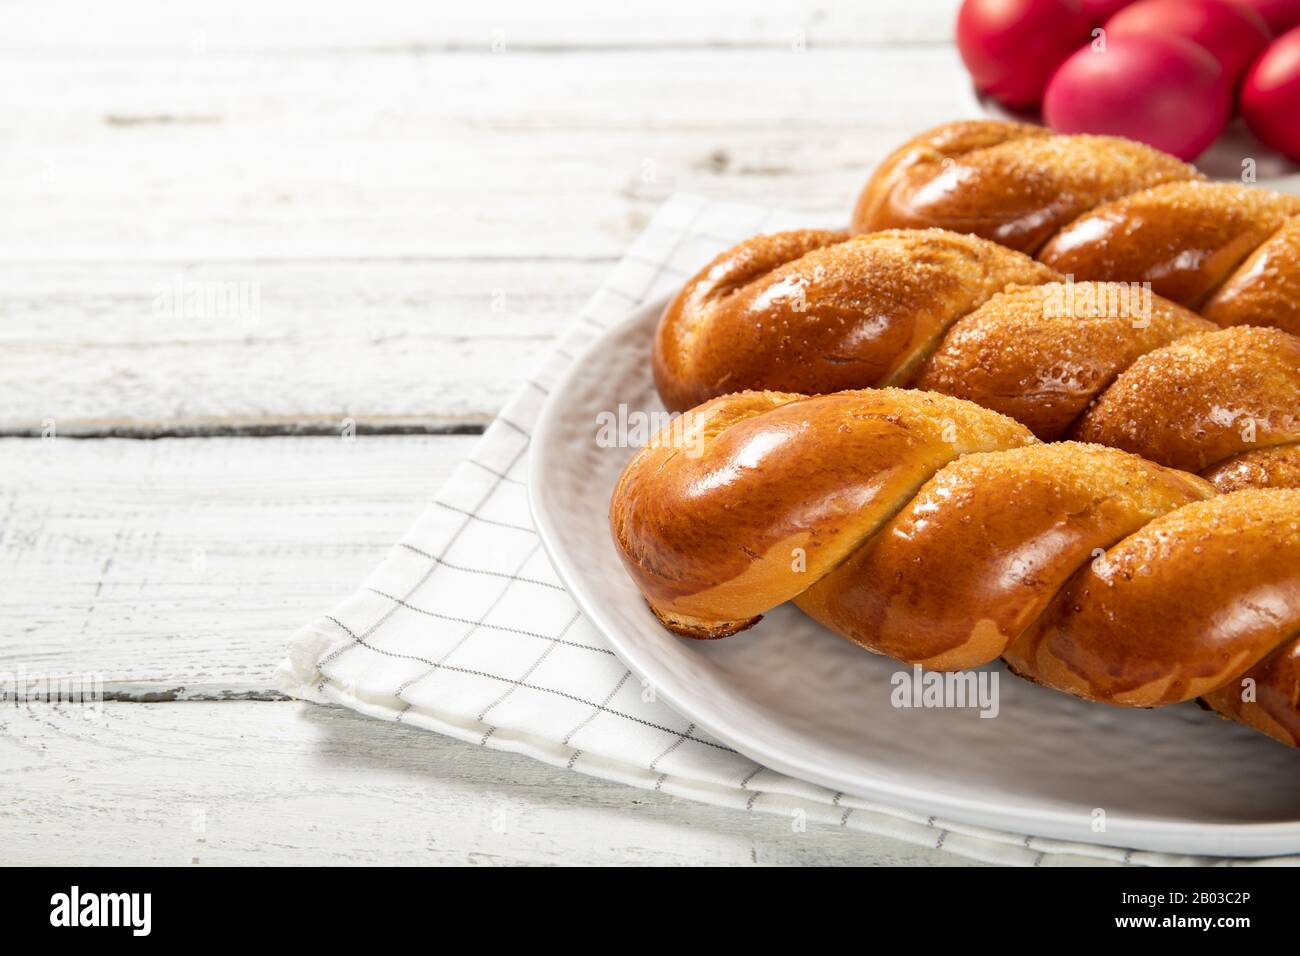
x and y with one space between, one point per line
761 450
929 529
1010 182
922 524
1101 208
817 311
1096 362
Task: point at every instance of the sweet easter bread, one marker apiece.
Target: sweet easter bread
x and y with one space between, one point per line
926 521
941 533
1099 207
814 312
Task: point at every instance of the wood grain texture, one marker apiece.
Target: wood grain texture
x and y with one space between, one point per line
203 784
176 569
553 25
180 567
382 198
421 200
90 347
481 155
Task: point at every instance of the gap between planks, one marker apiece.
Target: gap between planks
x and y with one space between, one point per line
295 783
178 570
272 428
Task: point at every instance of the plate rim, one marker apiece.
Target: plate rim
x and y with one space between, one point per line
1238 840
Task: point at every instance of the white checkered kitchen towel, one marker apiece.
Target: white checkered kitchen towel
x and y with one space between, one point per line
465 629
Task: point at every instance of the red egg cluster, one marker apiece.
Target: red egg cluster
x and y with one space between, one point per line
1166 72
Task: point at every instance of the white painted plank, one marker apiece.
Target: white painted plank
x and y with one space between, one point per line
287 783
153 25
143 345
477 179
482 156
372 170
188 563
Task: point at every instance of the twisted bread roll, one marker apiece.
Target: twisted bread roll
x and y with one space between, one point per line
941 533
937 532
1103 208
817 311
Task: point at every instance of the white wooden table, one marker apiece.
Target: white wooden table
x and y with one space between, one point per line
419 196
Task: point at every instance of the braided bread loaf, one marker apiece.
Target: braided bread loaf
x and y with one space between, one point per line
1099 207
938 532
817 311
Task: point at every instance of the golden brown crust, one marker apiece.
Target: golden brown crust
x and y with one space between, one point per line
819 312
758 494
1266 697
1177 609
1276 467
1265 289
977 555
1041 354
1101 208
938 532
698 629
1185 238
1202 399
924 155
1018 187
1109 363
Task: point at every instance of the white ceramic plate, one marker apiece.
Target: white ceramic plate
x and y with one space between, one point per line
795 697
